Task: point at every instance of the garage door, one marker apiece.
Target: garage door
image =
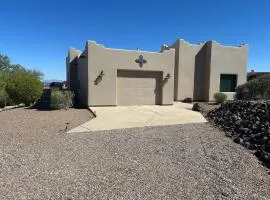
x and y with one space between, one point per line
138 87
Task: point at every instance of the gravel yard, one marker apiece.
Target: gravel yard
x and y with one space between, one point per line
192 161
24 125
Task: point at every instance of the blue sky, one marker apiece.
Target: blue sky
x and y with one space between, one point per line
37 33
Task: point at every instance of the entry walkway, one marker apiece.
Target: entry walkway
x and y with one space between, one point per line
120 117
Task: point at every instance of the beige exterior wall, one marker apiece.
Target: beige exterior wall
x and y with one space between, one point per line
71 67
108 77
82 77
187 60
227 60
111 60
77 74
198 68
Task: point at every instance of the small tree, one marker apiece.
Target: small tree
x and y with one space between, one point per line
24 86
4 62
220 97
4 69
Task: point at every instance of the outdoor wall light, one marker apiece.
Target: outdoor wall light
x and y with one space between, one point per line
166 79
99 77
168 76
101 73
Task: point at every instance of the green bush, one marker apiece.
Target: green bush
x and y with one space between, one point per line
2 101
3 93
24 86
6 101
61 99
256 89
220 97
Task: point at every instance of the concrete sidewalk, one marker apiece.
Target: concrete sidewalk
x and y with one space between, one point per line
119 117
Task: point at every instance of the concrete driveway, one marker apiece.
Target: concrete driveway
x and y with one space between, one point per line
119 117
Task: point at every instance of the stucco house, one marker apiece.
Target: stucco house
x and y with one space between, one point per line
103 76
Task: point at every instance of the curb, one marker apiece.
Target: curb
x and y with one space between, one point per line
93 112
10 108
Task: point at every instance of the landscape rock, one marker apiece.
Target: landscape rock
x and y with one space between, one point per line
12 107
187 100
9 107
197 107
247 123
21 105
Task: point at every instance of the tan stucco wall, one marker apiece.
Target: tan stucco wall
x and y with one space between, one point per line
186 61
71 68
198 68
194 69
83 80
227 60
111 60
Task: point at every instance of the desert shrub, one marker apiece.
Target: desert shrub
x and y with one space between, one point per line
24 86
256 89
69 95
220 97
61 99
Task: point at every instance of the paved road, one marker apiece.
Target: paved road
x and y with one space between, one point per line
170 162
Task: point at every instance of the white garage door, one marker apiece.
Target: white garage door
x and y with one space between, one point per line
138 87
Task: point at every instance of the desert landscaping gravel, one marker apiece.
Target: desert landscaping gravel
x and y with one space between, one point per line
38 160
26 125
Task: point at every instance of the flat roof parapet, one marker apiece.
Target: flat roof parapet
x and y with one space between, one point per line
115 49
229 46
213 41
163 47
190 44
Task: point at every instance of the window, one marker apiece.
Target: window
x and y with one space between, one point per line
228 82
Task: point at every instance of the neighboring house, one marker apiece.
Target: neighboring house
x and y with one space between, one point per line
102 76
